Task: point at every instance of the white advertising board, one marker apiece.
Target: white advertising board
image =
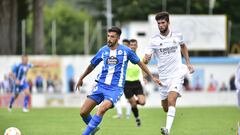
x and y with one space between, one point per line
200 32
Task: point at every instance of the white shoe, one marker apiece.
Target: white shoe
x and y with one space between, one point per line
25 110
9 109
117 117
164 131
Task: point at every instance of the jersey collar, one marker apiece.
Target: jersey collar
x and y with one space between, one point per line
169 35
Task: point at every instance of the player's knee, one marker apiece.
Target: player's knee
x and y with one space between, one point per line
141 102
83 114
165 109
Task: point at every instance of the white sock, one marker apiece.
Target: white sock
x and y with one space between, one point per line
170 117
119 109
128 109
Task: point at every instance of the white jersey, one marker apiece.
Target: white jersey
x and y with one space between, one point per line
167 51
237 78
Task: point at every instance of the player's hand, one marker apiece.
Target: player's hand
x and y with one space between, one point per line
190 68
156 80
79 84
147 58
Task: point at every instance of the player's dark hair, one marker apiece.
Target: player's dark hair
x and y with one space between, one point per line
115 29
162 16
126 40
133 40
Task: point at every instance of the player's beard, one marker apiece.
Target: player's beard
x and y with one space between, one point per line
163 31
111 44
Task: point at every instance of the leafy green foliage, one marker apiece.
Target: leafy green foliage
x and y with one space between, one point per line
69 27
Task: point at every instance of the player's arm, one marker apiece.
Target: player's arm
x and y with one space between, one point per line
184 52
146 70
86 72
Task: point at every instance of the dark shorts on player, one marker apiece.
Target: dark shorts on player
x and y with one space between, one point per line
132 88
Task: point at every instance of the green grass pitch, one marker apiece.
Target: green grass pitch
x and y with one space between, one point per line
66 121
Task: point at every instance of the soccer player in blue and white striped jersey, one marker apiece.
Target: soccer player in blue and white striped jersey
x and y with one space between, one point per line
110 81
19 73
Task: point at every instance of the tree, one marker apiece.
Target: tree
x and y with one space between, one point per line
38 26
8 26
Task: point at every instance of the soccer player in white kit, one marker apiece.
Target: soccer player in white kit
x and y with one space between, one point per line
167 47
237 83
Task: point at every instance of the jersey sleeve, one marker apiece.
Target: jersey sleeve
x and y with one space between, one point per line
97 58
181 40
133 57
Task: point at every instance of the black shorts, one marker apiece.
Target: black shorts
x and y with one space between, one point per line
132 88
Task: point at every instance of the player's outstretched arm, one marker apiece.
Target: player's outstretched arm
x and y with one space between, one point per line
146 70
86 72
184 52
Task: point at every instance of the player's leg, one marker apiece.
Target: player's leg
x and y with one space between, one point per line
97 118
128 110
129 95
119 110
12 99
172 98
16 90
86 108
25 88
238 97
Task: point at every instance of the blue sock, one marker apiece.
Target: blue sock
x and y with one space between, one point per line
87 119
26 100
95 121
11 101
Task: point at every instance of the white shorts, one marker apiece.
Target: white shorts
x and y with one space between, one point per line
171 84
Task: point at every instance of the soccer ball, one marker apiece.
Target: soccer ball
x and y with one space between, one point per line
12 131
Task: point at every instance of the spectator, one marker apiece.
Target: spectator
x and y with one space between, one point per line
186 84
232 84
6 84
50 84
223 87
198 86
39 84
57 83
71 84
213 85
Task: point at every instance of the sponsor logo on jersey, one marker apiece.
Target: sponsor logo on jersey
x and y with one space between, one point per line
112 60
168 50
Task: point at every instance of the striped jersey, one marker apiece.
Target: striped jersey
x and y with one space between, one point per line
20 72
167 51
114 64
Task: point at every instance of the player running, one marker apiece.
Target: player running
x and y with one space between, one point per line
167 46
19 73
133 89
110 81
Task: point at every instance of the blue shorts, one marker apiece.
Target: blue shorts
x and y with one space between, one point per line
19 88
103 92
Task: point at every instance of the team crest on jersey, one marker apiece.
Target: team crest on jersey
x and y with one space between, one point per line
174 41
120 52
112 60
